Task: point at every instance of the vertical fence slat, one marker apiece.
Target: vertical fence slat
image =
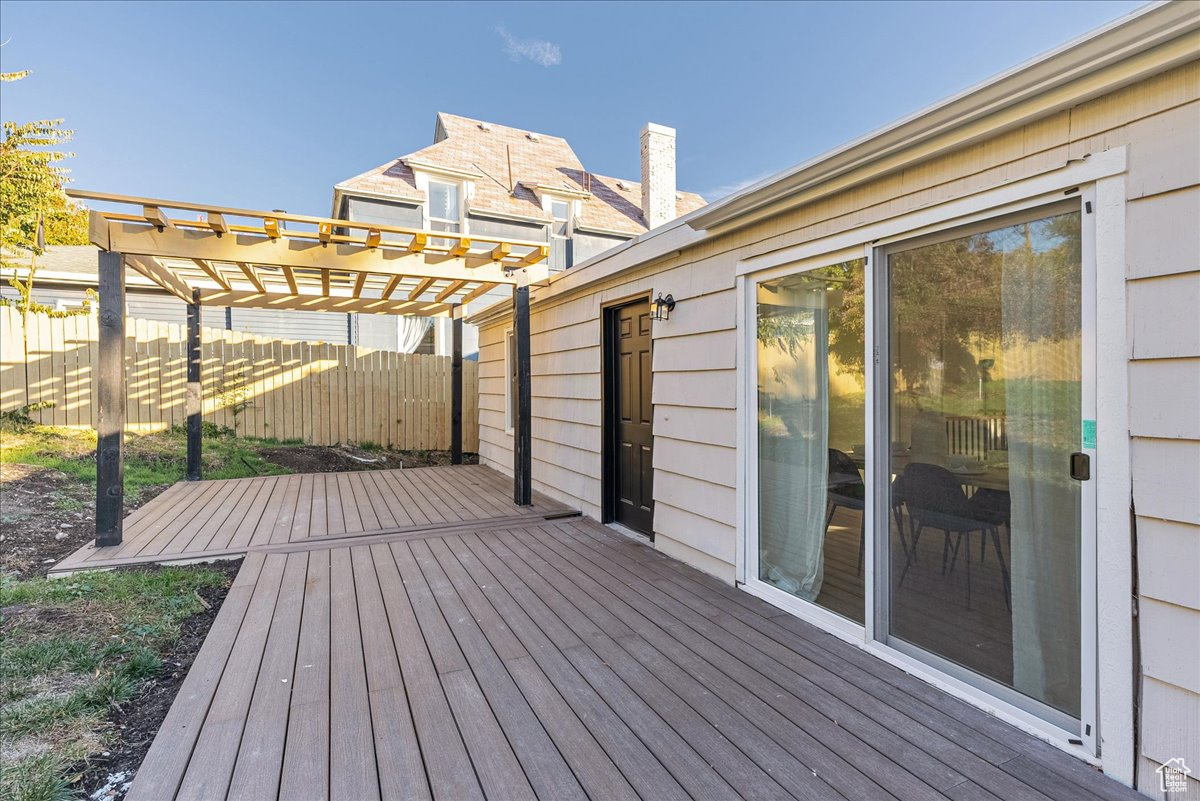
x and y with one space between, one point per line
313 392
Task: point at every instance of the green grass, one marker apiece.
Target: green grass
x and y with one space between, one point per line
36 779
73 650
152 461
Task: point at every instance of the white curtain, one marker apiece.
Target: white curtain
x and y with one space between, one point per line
1042 354
410 331
794 464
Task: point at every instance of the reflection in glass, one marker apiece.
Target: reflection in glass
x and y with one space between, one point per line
810 435
985 356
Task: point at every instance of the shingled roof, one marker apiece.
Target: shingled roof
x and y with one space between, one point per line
485 150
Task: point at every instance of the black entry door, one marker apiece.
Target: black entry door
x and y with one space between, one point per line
630 415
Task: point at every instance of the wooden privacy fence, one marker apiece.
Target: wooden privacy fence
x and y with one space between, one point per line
310 391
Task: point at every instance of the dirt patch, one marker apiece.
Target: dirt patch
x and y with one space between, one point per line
339 459
139 719
44 516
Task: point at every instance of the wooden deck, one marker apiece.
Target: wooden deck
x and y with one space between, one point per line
200 520
557 660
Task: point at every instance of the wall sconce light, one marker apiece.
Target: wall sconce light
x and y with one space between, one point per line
663 307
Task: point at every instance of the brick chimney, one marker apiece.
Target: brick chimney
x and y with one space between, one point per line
658 174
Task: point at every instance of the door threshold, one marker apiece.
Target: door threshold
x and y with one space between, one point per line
626 531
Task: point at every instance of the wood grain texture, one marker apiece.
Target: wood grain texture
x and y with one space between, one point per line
276 386
517 658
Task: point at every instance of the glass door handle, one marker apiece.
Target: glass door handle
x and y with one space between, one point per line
1081 466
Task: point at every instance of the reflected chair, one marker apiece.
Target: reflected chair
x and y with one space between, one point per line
935 499
846 490
994 506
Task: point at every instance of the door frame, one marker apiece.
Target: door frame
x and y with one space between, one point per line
1108 632
609 427
879 314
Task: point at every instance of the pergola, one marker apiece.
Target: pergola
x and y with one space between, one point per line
274 260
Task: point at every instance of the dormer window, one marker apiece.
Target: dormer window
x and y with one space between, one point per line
560 234
445 206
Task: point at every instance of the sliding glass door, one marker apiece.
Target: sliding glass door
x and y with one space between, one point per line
981 413
811 493
958 538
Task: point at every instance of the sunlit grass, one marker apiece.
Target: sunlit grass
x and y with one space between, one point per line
74 649
152 461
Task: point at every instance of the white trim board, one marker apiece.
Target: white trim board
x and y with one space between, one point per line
962 211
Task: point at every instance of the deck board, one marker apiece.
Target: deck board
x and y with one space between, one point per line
207 519
456 647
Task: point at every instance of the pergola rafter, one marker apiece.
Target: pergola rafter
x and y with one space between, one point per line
274 260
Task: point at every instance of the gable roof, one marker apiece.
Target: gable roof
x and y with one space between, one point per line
508 166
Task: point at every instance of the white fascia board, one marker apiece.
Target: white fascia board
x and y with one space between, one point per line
340 192
506 215
438 170
583 227
663 242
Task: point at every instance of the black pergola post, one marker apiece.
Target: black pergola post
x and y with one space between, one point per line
110 393
194 400
523 440
456 386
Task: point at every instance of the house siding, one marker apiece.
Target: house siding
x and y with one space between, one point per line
695 365
309 326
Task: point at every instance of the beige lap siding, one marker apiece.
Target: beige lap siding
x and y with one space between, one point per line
694 380
695 362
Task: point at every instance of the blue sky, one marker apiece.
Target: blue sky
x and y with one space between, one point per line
269 105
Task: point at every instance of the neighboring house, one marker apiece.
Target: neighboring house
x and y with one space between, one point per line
476 178
935 391
491 180
66 272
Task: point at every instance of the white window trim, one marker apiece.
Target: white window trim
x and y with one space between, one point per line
574 207
1100 180
466 192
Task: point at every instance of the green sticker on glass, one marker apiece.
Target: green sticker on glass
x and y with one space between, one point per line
1089 434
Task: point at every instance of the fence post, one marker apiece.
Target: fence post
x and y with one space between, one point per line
110 379
194 401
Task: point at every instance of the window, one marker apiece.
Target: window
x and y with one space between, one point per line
510 388
445 207
984 393
811 383
560 235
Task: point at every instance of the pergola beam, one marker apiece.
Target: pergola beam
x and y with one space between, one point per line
145 240
478 291
289 275
336 303
450 289
228 211
155 216
251 275
216 221
392 283
421 288
161 276
213 273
